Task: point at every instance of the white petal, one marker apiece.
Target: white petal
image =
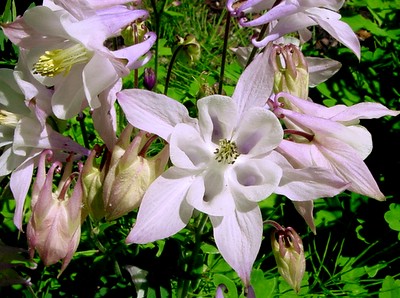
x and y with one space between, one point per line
164 210
255 84
20 182
152 112
253 180
210 194
98 75
258 132
188 149
238 238
217 117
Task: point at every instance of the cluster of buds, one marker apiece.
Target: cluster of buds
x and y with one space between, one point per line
116 187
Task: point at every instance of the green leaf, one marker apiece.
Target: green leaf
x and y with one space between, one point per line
390 288
231 291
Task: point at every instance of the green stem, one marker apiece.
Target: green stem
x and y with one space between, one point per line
81 119
254 50
157 21
169 72
224 51
202 220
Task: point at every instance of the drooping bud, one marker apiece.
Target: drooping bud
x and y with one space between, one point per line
130 173
92 182
291 70
134 33
149 78
54 227
288 251
191 50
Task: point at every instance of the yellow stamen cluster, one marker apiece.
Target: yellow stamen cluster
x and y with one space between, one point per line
226 152
59 61
8 119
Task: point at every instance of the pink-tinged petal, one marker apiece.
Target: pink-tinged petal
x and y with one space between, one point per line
275 13
164 210
258 133
255 84
305 209
134 52
98 4
321 69
146 110
302 155
217 117
20 181
188 149
286 25
348 165
104 118
329 21
253 180
364 110
308 183
98 75
238 238
209 194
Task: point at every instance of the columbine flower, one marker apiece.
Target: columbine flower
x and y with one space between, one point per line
54 227
25 134
290 16
63 53
332 138
223 164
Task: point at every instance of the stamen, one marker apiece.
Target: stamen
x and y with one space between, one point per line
59 61
9 119
226 152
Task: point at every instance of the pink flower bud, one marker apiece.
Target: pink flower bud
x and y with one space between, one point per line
149 78
54 227
288 251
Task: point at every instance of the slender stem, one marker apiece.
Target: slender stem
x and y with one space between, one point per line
81 119
224 51
135 71
157 21
171 63
254 50
202 220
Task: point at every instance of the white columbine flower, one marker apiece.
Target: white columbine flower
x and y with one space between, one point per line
67 52
224 163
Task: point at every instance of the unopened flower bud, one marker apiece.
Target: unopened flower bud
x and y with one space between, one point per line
149 78
54 227
134 33
288 251
92 182
130 173
191 50
291 70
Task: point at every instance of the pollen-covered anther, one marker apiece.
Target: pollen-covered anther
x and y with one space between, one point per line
59 61
226 152
9 119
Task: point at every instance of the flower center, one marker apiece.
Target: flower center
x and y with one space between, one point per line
58 61
226 152
8 119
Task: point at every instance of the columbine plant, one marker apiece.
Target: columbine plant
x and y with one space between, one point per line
218 162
